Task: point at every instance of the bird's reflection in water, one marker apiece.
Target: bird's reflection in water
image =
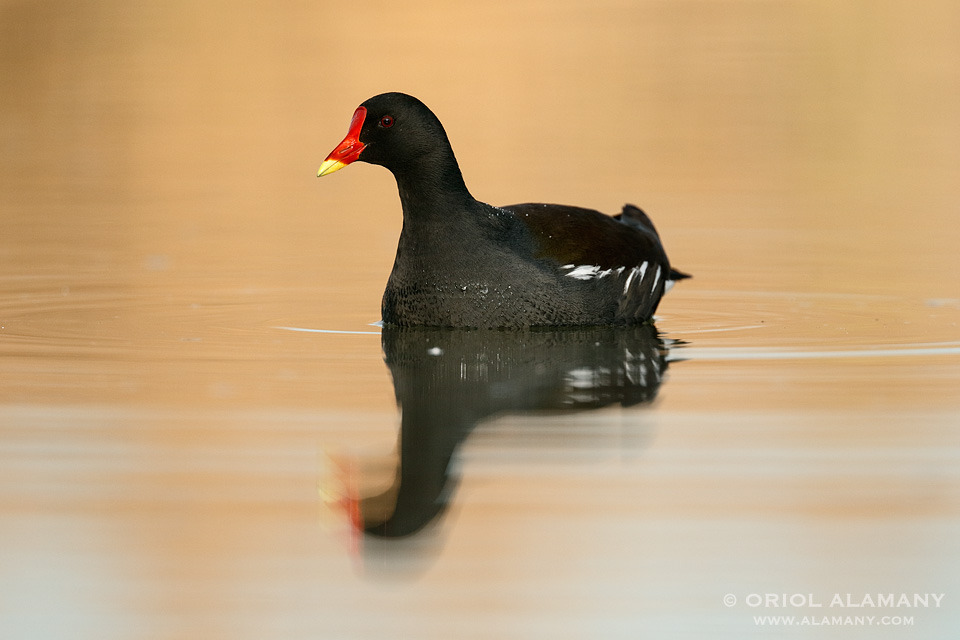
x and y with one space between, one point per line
448 381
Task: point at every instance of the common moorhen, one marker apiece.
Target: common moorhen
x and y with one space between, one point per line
463 263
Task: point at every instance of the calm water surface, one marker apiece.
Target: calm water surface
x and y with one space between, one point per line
183 454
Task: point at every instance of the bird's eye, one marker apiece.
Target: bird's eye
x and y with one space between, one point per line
386 122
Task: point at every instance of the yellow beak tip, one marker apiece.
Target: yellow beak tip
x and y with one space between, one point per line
329 166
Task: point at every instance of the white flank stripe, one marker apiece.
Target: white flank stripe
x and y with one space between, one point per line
626 285
642 269
588 272
591 271
585 272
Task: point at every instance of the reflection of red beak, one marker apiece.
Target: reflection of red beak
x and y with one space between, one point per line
340 493
348 150
350 503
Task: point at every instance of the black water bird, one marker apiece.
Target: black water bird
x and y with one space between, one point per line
463 263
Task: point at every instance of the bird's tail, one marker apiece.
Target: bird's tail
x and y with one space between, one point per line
635 217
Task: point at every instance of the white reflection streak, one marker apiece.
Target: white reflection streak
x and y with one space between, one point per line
305 330
751 354
741 328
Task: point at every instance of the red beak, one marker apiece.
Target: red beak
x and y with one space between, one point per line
348 150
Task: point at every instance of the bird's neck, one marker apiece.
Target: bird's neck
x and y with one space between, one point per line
432 192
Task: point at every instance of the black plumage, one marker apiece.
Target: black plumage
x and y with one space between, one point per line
464 263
